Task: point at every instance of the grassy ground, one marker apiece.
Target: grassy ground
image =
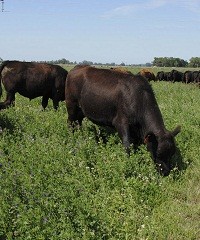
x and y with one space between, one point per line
59 185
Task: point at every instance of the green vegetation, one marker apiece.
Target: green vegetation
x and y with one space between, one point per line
58 185
169 62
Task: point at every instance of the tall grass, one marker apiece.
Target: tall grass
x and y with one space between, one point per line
58 185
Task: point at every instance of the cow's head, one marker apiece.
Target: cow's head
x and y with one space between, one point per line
162 148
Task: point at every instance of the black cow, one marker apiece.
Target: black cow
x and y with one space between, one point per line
176 76
160 76
32 80
167 76
187 77
163 76
125 102
196 76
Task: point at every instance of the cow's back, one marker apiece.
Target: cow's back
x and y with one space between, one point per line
33 79
95 80
104 93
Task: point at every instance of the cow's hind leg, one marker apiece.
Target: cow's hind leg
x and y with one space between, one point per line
122 128
10 100
75 114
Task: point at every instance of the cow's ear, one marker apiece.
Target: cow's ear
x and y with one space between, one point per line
176 131
148 138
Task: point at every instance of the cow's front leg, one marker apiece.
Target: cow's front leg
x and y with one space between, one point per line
44 101
123 130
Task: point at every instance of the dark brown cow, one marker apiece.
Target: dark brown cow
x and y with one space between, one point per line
32 80
125 102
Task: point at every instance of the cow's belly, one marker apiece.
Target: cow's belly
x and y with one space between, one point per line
32 93
32 90
98 109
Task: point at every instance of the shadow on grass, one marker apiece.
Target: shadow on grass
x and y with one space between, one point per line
5 123
178 165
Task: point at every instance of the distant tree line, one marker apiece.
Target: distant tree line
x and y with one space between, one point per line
194 62
59 61
158 61
176 62
65 61
85 62
169 62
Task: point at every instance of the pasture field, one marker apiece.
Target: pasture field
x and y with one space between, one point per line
135 70
55 184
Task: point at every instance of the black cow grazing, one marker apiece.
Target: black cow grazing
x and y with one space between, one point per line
32 80
196 76
125 102
160 76
176 76
187 77
163 76
168 76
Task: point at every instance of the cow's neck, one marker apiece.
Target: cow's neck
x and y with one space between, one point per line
153 123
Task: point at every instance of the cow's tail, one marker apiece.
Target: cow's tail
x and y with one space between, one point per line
1 69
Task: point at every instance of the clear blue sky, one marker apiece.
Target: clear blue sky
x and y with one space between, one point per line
129 31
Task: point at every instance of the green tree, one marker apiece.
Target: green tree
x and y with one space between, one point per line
194 62
85 62
169 62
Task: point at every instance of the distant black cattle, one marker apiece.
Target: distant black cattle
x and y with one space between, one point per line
191 77
187 77
160 76
196 76
176 76
163 76
167 76
32 80
125 102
